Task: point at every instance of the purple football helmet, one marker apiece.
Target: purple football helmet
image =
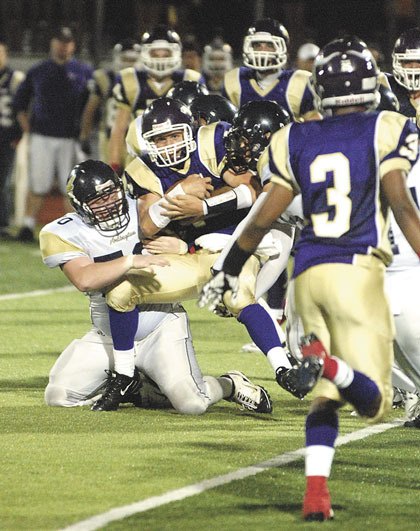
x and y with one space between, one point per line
345 73
407 50
166 115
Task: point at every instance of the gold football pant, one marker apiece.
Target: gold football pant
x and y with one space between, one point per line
182 280
346 307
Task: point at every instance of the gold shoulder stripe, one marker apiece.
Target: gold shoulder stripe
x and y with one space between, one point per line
389 127
295 90
278 151
383 80
51 244
144 176
131 85
103 81
206 148
233 86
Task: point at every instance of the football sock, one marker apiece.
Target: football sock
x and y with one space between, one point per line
123 330
124 361
264 333
321 432
355 387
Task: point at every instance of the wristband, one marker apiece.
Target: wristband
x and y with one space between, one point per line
157 215
129 262
116 167
235 199
178 190
235 260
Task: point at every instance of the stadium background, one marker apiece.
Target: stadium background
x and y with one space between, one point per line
26 24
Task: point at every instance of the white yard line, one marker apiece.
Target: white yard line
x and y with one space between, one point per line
119 513
36 293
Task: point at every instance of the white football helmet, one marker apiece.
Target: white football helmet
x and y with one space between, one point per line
273 33
161 51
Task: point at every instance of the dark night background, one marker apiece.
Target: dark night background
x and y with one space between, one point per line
99 24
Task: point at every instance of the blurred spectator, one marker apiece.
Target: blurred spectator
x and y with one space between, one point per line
191 53
125 54
306 55
48 105
10 134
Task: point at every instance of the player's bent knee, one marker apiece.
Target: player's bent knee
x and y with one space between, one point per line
240 302
187 402
122 298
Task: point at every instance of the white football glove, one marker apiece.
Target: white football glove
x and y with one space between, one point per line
213 292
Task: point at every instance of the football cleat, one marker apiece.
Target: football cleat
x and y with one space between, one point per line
249 396
415 423
119 388
317 504
412 405
308 374
288 380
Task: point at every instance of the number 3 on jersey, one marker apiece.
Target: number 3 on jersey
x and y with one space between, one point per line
337 195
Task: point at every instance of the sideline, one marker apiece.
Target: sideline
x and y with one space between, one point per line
36 293
119 513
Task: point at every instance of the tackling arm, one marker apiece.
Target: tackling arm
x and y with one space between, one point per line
87 275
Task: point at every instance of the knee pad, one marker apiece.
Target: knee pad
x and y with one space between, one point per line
123 297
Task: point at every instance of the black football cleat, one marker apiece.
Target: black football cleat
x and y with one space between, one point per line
414 423
309 373
287 379
119 389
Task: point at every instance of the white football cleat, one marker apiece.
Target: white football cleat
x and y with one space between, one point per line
249 396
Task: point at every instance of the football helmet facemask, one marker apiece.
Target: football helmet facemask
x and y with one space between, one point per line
407 50
344 74
217 58
186 91
166 115
210 108
126 53
251 130
275 36
161 51
97 194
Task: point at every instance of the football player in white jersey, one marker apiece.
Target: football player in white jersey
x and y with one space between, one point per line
403 288
96 246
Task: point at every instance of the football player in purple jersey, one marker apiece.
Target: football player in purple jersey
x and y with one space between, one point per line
350 168
264 75
135 88
184 185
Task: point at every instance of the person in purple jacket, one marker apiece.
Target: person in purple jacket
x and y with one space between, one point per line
48 105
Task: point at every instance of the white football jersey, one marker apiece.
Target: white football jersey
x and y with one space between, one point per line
404 256
69 237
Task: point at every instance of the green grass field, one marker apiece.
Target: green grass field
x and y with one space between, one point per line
61 466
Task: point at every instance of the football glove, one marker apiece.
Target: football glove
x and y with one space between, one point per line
212 293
